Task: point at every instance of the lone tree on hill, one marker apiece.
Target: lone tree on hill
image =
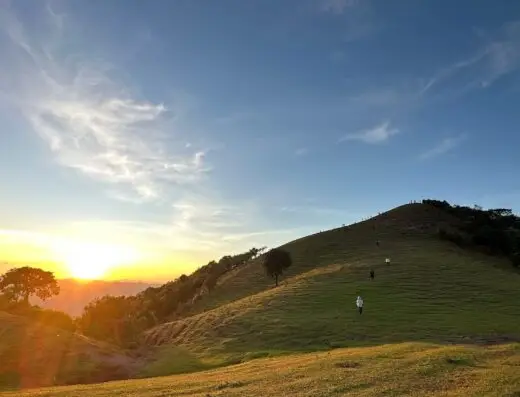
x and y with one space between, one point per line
23 282
275 261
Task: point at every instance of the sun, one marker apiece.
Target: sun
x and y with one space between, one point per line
89 261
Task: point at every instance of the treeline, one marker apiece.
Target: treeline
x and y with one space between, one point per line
121 320
19 284
493 231
116 319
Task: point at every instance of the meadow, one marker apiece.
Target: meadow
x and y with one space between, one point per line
438 321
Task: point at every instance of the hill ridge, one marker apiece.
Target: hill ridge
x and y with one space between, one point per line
432 291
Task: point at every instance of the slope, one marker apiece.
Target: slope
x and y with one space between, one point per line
432 291
411 369
358 240
33 355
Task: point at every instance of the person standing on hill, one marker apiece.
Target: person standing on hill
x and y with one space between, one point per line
359 304
372 274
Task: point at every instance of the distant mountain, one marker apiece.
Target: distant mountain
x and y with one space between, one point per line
75 295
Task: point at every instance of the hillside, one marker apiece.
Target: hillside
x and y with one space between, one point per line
75 295
432 291
33 355
436 320
410 369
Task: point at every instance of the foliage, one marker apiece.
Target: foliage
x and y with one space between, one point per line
52 318
111 318
496 231
23 282
122 319
275 262
455 237
174 298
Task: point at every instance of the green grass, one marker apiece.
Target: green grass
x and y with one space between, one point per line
426 319
408 369
432 291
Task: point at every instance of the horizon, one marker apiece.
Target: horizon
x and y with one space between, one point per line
190 130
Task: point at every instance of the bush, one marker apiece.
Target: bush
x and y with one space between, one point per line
495 231
515 260
454 237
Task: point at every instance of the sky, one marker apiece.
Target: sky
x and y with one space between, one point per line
141 139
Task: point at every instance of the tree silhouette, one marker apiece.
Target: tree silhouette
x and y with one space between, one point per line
23 282
275 262
111 318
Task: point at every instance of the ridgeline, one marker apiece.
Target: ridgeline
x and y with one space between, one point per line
445 306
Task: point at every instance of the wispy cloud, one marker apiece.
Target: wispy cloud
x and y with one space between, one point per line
197 225
91 121
443 147
497 57
373 136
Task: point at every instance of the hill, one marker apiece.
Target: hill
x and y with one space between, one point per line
75 295
33 355
409 369
432 291
441 318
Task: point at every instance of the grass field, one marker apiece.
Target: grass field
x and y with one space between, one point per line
408 369
432 291
437 321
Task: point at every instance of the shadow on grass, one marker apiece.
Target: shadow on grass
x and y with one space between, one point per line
171 360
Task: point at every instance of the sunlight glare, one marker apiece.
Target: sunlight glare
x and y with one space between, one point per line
89 261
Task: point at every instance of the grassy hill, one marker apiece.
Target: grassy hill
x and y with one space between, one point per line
33 355
439 320
432 291
409 369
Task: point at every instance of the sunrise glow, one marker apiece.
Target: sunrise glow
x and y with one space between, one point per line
89 261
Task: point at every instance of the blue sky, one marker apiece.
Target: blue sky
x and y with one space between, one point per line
196 128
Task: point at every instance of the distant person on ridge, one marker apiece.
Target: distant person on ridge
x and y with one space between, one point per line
372 274
359 304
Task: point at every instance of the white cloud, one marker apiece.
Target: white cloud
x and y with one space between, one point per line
375 135
443 147
91 121
497 57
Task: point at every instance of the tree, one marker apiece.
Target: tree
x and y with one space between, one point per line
23 282
111 318
275 262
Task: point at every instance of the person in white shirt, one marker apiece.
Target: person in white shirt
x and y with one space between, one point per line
359 304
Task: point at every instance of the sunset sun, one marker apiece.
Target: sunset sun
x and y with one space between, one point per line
89 261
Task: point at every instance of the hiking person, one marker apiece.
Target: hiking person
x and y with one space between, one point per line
359 304
372 274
